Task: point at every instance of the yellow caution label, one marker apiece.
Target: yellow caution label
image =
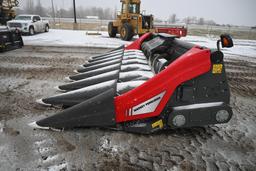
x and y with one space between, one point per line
217 68
159 124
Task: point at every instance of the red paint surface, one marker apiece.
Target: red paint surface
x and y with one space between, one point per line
137 43
193 63
180 32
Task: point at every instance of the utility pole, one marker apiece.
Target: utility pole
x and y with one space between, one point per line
74 6
53 12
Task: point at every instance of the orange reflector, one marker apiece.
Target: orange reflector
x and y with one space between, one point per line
225 42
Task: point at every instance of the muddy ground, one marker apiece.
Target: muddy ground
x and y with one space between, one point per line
31 73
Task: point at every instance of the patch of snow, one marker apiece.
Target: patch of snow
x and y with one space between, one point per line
130 84
100 69
241 47
144 67
118 54
105 63
98 76
133 50
1 128
34 125
106 145
87 89
108 53
134 57
44 150
57 88
128 61
57 167
134 53
51 159
39 101
2 148
43 142
105 59
147 74
57 37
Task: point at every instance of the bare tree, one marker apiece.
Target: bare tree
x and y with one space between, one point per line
201 21
172 18
39 9
210 22
29 8
187 20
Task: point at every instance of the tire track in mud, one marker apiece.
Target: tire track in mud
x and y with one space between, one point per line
241 63
54 60
63 50
52 148
43 63
36 73
185 149
241 75
26 72
50 159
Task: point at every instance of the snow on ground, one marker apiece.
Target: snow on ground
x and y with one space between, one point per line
241 47
73 38
79 38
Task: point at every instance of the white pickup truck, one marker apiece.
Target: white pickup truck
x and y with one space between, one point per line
30 24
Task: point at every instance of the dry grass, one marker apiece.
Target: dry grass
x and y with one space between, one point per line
236 33
79 26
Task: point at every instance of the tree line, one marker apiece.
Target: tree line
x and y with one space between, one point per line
36 7
190 20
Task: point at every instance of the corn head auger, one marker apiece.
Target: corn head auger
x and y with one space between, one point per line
156 83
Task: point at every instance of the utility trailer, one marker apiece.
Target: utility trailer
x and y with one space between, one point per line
156 83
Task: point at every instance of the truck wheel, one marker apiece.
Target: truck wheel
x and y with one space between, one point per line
126 32
111 30
46 28
31 31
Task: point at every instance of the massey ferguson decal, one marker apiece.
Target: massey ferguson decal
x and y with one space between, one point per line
147 106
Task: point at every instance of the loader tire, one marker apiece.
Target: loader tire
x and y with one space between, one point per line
126 32
111 30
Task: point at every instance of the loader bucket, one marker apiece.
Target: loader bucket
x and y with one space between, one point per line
153 84
10 39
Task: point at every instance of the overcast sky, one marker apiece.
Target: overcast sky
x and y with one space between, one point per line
237 12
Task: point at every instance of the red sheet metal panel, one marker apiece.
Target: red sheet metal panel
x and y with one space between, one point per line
193 63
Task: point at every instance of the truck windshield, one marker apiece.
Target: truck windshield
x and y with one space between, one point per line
134 8
23 18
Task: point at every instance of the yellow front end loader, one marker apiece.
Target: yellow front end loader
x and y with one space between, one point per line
6 10
130 21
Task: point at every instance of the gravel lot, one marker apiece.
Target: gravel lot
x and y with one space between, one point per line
31 73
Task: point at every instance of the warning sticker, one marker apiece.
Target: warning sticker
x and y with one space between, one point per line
217 68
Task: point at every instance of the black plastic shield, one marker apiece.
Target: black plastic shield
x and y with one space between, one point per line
98 111
75 97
